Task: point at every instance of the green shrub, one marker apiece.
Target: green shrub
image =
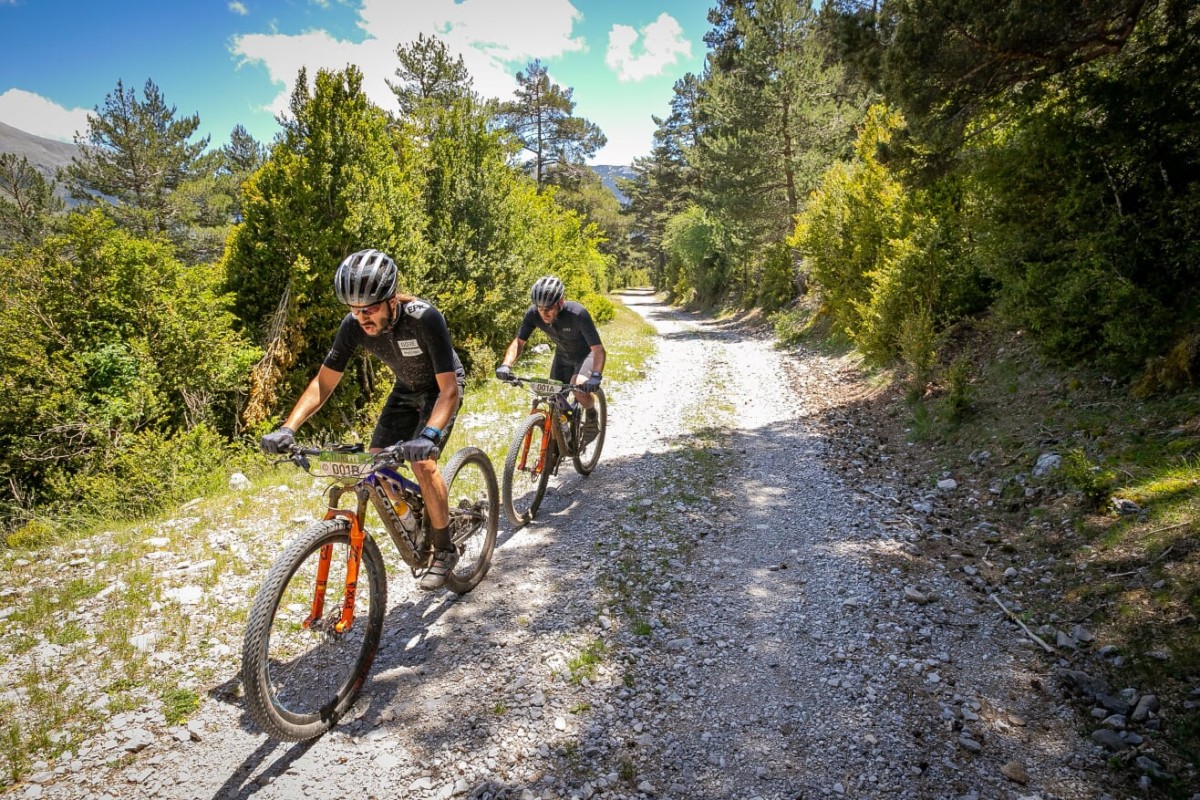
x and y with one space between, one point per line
961 390
1173 372
599 306
151 470
697 247
847 224
1090 480
777 288
918 348
33 535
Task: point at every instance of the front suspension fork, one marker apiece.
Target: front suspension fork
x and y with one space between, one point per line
353 561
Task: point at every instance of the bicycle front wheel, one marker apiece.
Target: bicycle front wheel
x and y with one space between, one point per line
587 451
299 673
524 482
474 516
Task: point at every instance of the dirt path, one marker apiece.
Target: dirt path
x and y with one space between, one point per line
710 614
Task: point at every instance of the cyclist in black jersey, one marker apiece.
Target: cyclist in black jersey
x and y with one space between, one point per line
410 336
579 353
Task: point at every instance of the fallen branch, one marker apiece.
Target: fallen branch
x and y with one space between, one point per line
1154 560
984 558
1169 528
1024 627
877 495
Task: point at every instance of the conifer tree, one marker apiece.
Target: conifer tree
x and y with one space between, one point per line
541 119
134 155
27 203
428 74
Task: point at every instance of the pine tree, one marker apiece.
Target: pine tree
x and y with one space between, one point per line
541 120
27 204
134 155
428 74
664 182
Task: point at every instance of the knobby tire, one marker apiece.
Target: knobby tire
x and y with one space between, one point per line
522 490
299 681
474 516
585 458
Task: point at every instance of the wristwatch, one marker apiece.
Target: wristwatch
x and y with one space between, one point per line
432 434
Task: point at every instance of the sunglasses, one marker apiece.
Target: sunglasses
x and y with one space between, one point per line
547 309
366 311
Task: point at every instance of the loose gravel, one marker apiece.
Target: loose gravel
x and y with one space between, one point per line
713 613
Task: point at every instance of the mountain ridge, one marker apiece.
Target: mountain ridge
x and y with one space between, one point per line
49 155
46 155
608 176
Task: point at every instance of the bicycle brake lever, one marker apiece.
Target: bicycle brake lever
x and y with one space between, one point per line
387 458
296 458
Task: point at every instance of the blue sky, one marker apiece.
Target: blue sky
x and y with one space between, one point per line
236 61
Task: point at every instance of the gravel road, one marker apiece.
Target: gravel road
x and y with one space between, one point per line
712 613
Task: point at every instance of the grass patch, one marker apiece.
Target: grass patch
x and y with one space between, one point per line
178 704
584 665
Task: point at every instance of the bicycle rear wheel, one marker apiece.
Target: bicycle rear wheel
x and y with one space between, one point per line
587 455
524 484
474 516
299 676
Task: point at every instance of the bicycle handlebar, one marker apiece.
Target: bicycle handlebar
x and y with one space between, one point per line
524 380
388 457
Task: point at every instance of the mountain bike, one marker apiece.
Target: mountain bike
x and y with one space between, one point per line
553 428
317 619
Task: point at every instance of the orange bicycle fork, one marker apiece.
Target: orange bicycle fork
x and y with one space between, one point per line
547 434
353 559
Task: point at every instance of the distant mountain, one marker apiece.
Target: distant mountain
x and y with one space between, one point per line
608 176
46 155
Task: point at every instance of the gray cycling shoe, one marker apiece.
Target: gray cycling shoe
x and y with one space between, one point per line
591 426
443 562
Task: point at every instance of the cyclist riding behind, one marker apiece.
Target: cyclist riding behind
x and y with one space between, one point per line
579 355
410 336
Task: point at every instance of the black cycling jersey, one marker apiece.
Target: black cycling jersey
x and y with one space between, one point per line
572 331
416 348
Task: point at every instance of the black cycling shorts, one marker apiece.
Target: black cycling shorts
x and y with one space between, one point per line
565 371
405 415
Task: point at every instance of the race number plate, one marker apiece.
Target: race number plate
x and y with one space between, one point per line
343 465
545 388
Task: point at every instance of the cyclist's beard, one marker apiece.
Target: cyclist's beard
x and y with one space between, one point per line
386 326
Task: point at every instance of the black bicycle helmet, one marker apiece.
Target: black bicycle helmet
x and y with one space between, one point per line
365 277
546 291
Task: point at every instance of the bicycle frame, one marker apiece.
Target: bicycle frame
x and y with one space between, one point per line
379 488
557 408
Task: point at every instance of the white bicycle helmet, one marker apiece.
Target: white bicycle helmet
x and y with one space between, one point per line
365 277
546 291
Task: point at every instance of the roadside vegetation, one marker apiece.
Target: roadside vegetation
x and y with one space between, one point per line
1105 540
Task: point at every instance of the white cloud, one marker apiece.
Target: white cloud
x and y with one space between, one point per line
35 114
627 139
238 8
494 37
662 44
